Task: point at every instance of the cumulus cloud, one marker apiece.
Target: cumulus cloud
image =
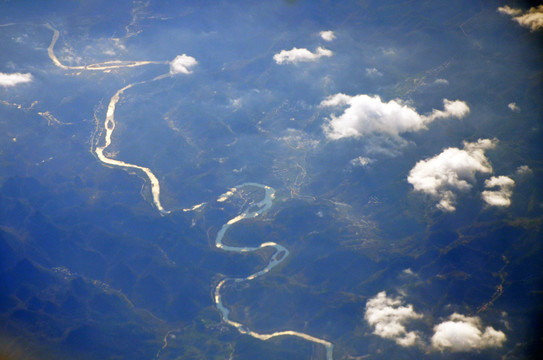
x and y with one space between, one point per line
182 64
463 333
450 171
388 315
327 35
457 109
513 107
373 73
532 19
366 114
509 10
524 170
13 79
501 196
296 55
441 82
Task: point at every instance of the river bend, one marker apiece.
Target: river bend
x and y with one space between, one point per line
278 257
253 211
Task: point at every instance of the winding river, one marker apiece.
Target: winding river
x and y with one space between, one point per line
108 65
252 211
109 126
277 258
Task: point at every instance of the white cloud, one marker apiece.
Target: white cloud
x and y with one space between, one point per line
327 35
441 81
463 333
509 10
388 316
408 271
118 44
373 73
499 181
14 79
182 64
450 171
369 114
502 196
513 107
388 52
457 109
236 104
524 170
296 55
532 19
361 161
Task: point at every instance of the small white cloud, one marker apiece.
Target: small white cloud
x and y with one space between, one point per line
524 170
327 35
388 52
373 73
13 79
118 44
441 82
457 109
369 114
182 64
509 10
296 55
513 107
388 317
532 19
502 196
450 171
463 333
21 39
236 103
361 161
408 272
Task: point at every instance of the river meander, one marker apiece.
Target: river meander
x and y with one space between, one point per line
280 254
277 258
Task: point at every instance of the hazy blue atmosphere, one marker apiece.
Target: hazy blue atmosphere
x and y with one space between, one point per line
271 179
